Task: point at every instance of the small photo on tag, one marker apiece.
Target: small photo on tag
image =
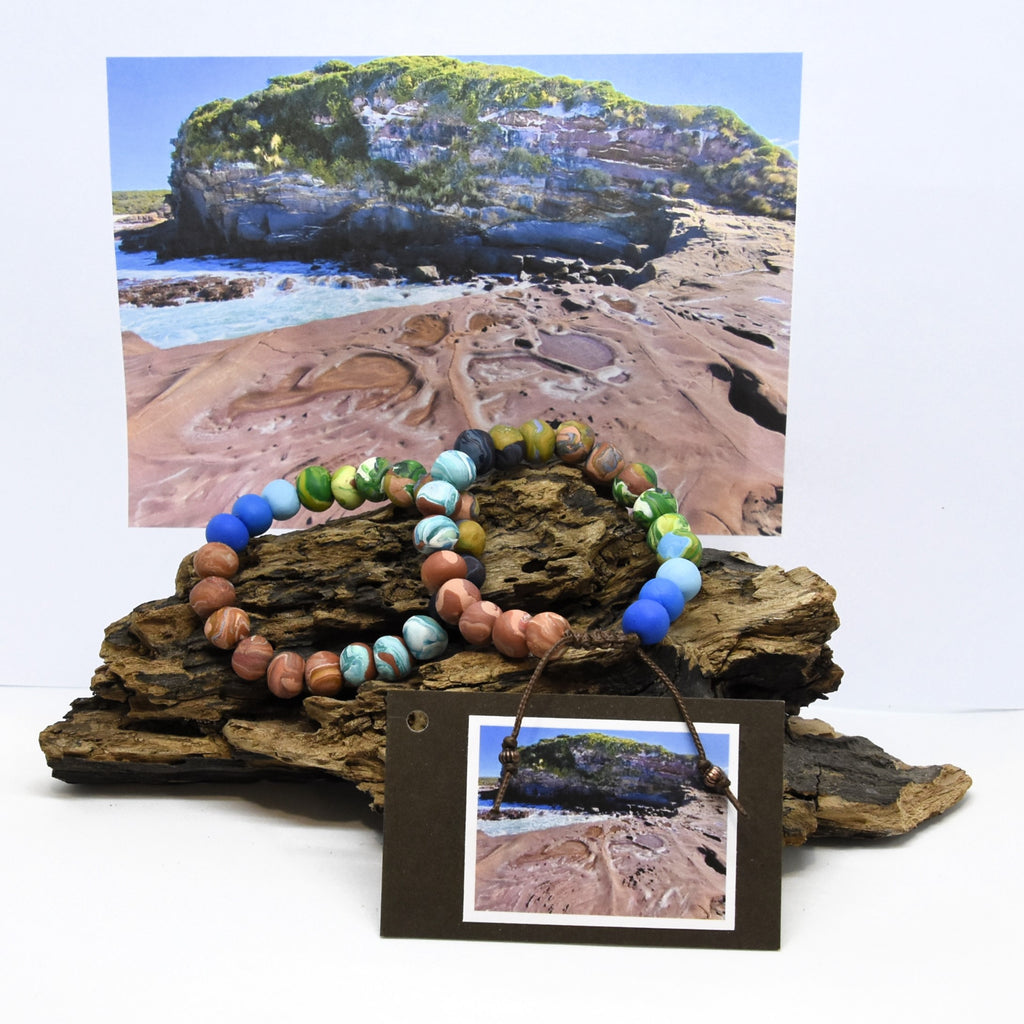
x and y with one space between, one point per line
598 827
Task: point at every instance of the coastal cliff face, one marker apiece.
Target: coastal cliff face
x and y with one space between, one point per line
594 771
464 166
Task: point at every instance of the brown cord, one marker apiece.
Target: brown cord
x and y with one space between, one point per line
712 776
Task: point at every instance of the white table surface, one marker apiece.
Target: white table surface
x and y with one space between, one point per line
260 903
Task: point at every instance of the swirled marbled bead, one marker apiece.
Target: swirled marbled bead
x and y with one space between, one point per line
437 498
509 445
401 479
479 446
435 533
653 502
670 536
251 656
632 481
369 478
357 664
211 593
604 463
543 631
392 658
573 441
313 486
226 626
286 674
323 673
539 438
343 488
456 467
425 637
453 598
215 559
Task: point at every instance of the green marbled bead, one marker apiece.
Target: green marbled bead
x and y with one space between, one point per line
680 544
540 441
313 487
670 522
370 478
343 487
573 441
400 481
509 446
634 479
653 502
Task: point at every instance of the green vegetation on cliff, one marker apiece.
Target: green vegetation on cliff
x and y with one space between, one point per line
138 202
446 132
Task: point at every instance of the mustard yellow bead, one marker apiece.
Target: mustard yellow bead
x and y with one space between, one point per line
472 538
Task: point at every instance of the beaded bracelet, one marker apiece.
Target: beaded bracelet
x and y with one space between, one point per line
452 541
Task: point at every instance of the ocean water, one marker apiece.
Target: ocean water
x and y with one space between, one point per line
289 293
538 817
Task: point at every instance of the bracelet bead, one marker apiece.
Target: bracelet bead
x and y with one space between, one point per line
282 498
476 623
509 633
456 467
322 674
369 478
472 538
251 656
357 664
684 574
667 594
479 446
441 566
632 481
343 488
211 593
400 482
453 598
314 489
604 463
437 498
254 510
648 619
540 441
226 627
286 674
651 504
392 658
543 631
435 533
574 441
425 637
224 528
215 559
509 445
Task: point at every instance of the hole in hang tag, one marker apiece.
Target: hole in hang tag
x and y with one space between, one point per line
417 721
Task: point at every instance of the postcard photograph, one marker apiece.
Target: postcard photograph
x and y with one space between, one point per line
605 823
322 260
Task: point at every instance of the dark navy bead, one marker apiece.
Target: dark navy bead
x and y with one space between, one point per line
479 446
666 593
648 619
475 571
255 512
228 529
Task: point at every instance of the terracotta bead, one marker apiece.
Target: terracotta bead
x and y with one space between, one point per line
286 674
323 673
209 594
453 598
467 508
509 634
440 567
251 657
477 622
226 627
543 631
215 559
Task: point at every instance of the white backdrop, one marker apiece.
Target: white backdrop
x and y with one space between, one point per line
903 466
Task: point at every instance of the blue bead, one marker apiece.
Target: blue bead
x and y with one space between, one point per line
228 529
254 510
435 533
646 618
425 637
666 593
683 573
475 571
283 499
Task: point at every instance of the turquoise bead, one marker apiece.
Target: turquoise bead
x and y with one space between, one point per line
648 619
391 658
437 498
282 498
435 533
357 664
370 478
425 637
684 574
653 502
456 467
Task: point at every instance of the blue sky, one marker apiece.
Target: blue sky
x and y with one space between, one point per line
716 745
149 97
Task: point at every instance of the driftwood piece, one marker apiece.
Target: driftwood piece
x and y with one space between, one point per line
165 705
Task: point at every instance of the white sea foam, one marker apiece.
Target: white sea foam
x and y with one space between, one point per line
535 818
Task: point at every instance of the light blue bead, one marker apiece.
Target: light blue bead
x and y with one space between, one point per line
425 637
254 510
684 574
667 594
357 664
435 533
438 496
392 658
456 467
228 529
283 499
648 619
